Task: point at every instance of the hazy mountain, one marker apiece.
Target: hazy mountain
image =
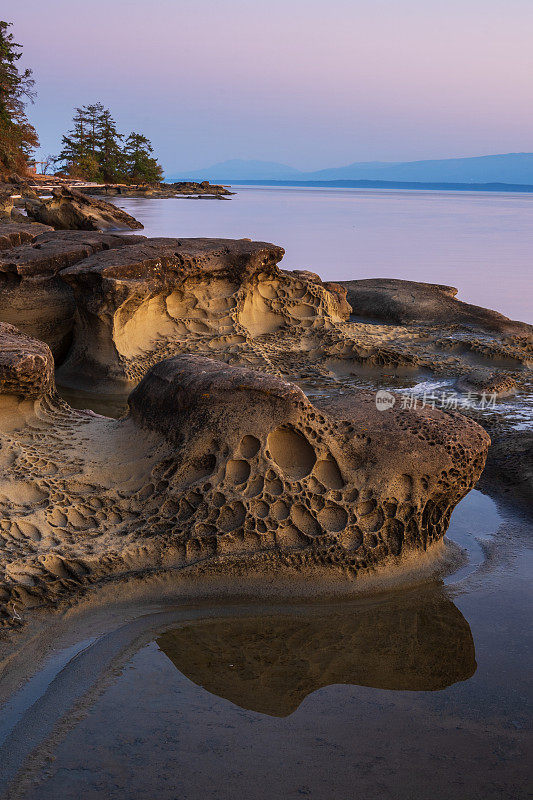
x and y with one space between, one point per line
241 170
506 168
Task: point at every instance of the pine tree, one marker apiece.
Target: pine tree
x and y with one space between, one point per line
93 149
109 142
17 136
93 112
78 153
141 166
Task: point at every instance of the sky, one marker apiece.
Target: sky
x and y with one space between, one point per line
310 83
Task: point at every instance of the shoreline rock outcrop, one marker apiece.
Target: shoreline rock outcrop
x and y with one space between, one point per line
161 297
250 444
112 305
69 209
33 295
405 302
13 234
161 190
215 468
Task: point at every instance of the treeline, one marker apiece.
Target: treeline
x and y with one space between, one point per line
94 149
18 137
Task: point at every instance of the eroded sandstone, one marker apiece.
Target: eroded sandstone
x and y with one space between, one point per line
113 305
165 296
13 234
26 365
216 469
33 296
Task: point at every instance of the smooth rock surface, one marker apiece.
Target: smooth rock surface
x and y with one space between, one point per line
404 302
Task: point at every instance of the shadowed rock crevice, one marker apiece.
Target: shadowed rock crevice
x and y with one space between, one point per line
33 296
166 296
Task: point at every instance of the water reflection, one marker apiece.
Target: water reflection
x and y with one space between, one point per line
109 404
269 664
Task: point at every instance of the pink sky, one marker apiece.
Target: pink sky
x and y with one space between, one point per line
305 82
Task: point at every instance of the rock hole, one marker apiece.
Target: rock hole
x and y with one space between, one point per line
292 452
237 471
249 446
328 472
304 521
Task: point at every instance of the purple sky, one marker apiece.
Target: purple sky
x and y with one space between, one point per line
311 83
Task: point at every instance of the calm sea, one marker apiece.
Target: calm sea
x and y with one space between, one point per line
482 243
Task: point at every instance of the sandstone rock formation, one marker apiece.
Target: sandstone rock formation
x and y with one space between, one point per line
6 202
112 305
405 302
216 469
278 470
13 234
69 209
32 294
160 297
484 382
26 365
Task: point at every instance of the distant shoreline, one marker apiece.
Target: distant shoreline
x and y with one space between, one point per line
416 185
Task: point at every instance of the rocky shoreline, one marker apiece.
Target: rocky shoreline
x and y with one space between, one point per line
37 185
253 441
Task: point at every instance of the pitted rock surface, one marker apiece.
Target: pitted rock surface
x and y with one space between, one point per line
217 468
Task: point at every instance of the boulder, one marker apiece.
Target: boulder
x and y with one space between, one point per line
26 365
405 302
258 468
69 209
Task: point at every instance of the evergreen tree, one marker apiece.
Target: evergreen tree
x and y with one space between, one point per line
109 142
78 153
17 136
93 113
141 166
93 149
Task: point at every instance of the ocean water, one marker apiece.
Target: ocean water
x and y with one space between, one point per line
479 242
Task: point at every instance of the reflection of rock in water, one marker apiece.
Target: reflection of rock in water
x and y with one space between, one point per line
270 664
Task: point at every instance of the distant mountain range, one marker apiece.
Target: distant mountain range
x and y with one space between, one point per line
512 168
